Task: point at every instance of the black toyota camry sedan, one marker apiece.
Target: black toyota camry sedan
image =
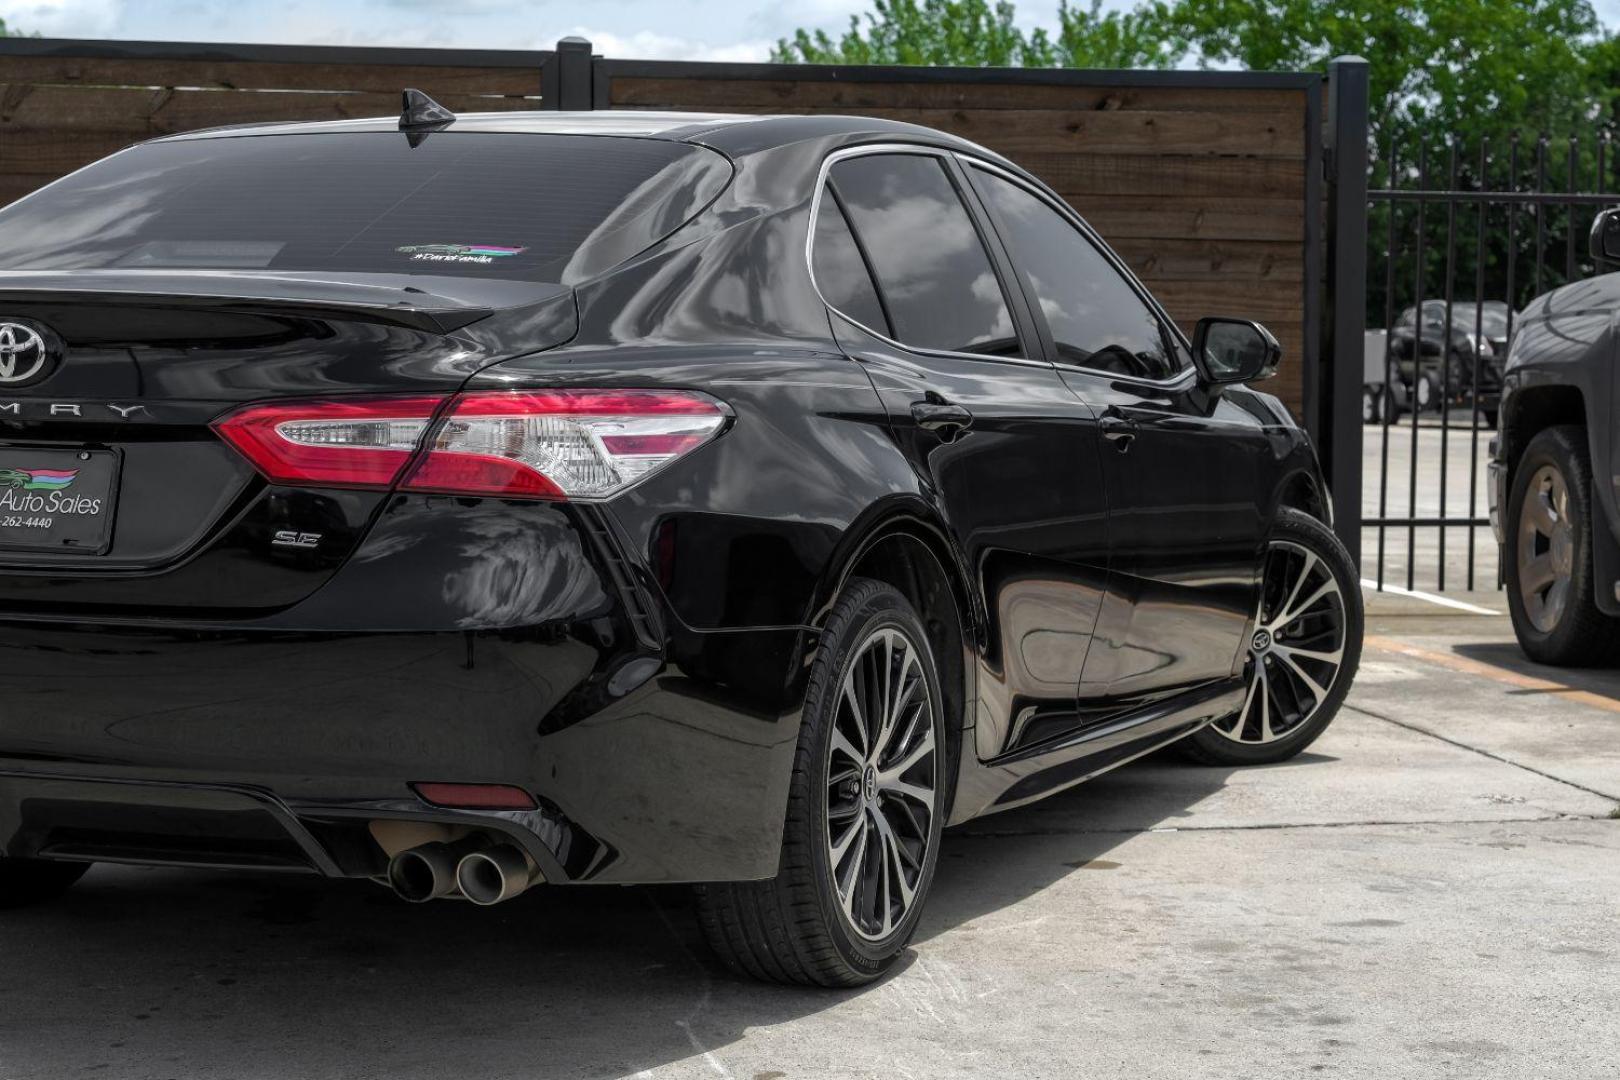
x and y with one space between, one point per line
477 503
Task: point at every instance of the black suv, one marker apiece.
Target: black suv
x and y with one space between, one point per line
1555 468
622 498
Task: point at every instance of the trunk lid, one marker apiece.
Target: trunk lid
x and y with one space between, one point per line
137 364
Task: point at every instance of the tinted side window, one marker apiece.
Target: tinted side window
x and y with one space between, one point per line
841 272
934 273
1097 319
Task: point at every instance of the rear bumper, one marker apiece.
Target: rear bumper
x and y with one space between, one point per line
655 753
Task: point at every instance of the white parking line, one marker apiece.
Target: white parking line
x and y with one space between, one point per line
1433 598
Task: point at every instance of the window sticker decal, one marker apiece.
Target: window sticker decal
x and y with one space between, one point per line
459 253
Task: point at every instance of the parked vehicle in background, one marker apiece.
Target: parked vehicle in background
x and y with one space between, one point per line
622 498
1441 357
1555 468
1381 401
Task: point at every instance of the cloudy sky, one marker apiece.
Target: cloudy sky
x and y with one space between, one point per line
643 29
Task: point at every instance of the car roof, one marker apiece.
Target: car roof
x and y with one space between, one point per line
737 133
606 122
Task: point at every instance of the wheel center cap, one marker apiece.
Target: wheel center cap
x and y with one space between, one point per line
1262 640
869 783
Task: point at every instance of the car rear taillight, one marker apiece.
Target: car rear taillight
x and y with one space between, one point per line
561 443
512 444
350 443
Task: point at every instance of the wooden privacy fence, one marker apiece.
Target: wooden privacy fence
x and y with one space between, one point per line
1221 189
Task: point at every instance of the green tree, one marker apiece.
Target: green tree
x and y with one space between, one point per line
3 32
978 33
1088 38
926 32
1477 69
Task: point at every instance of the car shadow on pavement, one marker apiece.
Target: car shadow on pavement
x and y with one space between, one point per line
165 972
1507 656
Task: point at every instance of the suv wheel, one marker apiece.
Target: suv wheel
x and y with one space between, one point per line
1303 650
1548 554
24 882
1426 393
865 809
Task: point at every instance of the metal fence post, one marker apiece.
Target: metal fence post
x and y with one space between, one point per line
565 83
1339 420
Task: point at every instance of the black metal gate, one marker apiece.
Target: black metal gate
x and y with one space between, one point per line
1468 237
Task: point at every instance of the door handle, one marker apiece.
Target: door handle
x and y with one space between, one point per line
1119 430
940 416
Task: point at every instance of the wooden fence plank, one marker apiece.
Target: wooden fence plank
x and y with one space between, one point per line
146 113
1173 220
778 94
1252 261
1167 174
242 75
1014 132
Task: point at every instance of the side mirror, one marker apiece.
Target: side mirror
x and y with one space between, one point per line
1604 241
1231 351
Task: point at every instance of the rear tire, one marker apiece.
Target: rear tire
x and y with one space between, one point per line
1551 594
1311 620
25 882
1426 393
850 888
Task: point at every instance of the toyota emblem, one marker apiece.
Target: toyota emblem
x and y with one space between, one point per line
23 353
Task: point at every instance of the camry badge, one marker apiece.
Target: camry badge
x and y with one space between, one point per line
22 353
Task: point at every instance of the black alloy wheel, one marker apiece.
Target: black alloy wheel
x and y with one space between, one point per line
868 799
1301 654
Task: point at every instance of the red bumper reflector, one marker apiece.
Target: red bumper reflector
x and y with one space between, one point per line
475 796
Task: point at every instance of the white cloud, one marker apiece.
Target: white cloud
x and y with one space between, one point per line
647 45
63 18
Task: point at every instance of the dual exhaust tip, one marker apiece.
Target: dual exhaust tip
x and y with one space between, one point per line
471 867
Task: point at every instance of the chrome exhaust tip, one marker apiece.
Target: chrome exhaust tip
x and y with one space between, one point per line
494 875
428 871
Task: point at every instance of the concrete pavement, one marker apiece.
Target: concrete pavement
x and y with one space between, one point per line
1432 891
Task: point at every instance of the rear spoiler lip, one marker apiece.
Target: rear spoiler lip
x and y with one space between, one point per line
402 301
435 320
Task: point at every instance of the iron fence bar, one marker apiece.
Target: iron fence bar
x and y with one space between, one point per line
1541 217
1417 367
1569 214
1548 198
1479 330
1445 354
1513 231
1387 396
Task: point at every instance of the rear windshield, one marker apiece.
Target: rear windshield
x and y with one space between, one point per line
558 208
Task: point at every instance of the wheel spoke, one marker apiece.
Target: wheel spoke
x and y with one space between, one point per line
901 789
849 883
1318 691
1243 713
1265 705
896 860
895 731
840 848
1539 509
1538 573
1290 615
842 745
1556 598
1334 657
1299 582
907 763
852 699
